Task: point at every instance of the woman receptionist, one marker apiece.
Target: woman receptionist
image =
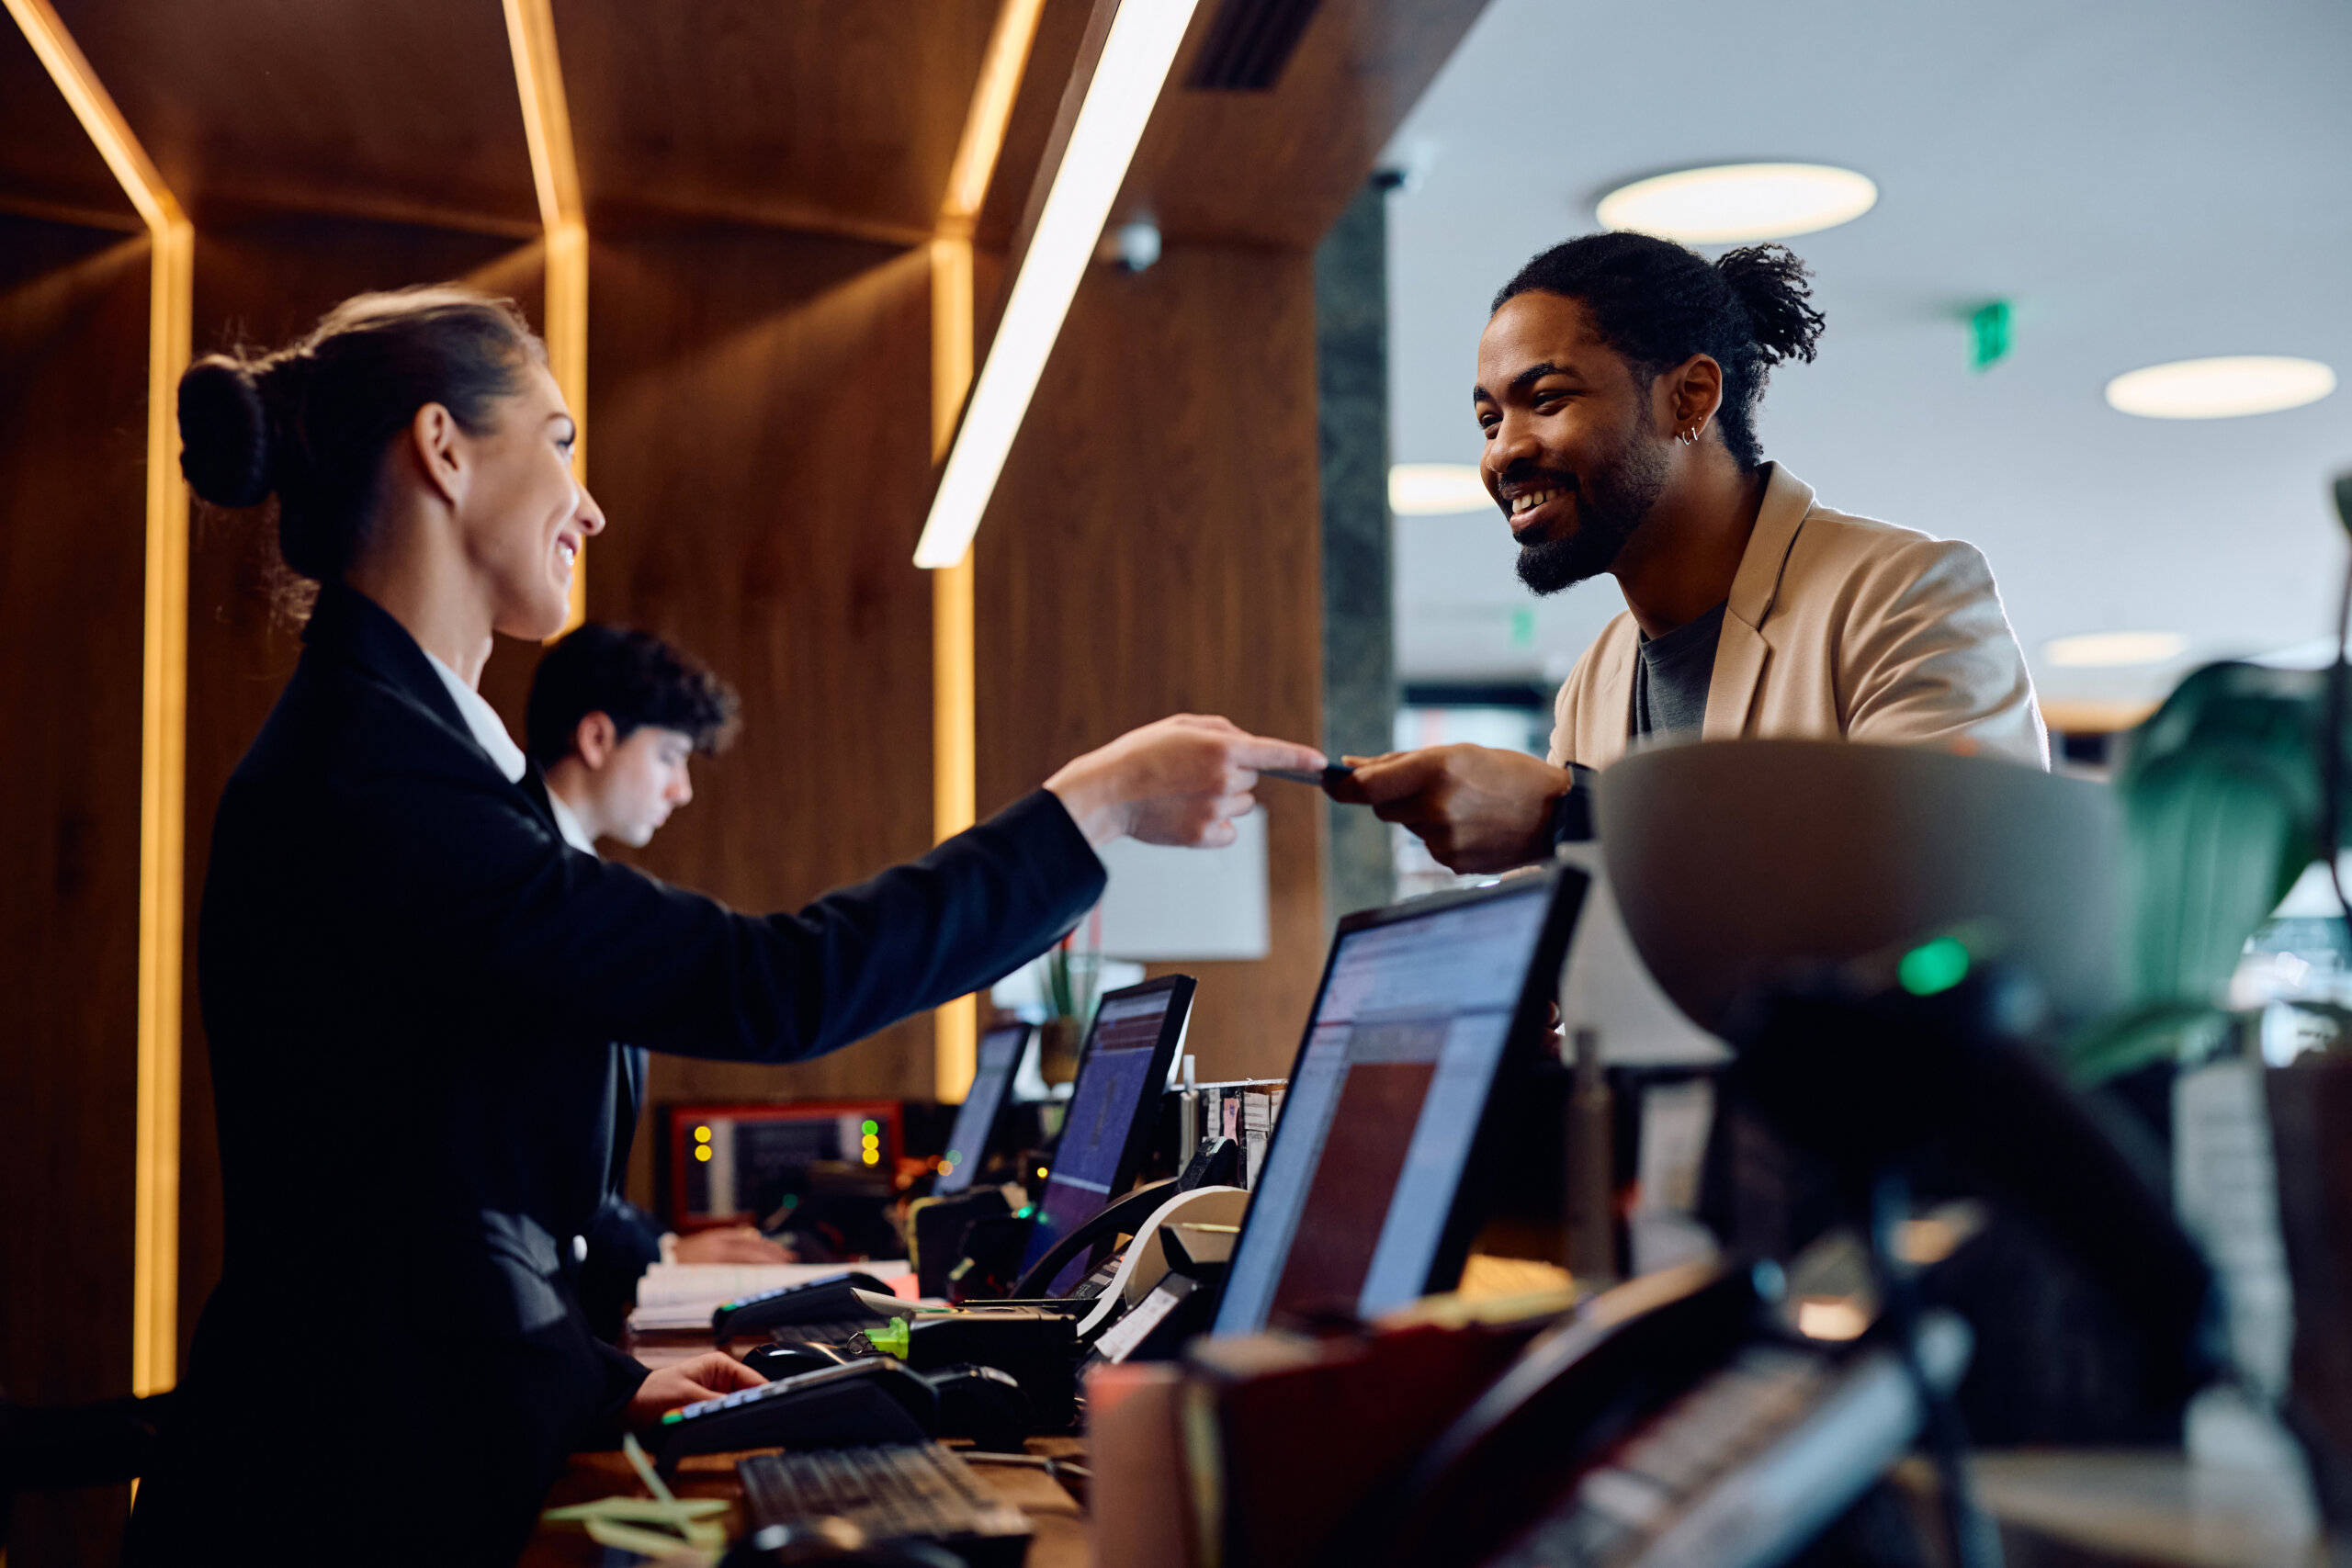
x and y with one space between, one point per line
412 987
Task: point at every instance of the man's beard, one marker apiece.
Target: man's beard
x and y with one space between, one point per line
1609 508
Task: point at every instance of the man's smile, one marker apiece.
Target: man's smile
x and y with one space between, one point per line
1532 506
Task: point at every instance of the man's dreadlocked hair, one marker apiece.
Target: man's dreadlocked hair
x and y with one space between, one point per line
1657 304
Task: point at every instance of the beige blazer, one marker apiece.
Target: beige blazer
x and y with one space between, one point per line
1837 626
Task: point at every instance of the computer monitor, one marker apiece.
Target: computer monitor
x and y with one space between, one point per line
997 1060
1120 1074
1366 1197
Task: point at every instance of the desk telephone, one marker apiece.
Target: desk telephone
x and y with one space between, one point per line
902 1367
1681 1418
856 1405
1678 1421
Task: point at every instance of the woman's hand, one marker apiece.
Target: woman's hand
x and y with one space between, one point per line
1181 781
708 1376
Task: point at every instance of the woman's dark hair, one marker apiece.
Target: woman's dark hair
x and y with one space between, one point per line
634 679
310 424
1657 304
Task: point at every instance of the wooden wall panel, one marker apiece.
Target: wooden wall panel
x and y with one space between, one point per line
405 112
800 114
264 283
48 167
1278 167
72 551
1153 547
760 404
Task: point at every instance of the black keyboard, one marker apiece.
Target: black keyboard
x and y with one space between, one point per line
891 1493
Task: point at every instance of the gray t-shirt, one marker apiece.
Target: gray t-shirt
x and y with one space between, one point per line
1671 676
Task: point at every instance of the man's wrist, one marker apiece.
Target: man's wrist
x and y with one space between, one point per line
1571 815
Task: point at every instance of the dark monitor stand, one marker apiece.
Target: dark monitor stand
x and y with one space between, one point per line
1366 1200
1122 1072
982 1116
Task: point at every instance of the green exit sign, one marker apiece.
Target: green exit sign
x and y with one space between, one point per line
1988 335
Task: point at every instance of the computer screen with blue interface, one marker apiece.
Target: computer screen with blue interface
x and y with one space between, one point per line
998 1059
1119 1082
1383 1109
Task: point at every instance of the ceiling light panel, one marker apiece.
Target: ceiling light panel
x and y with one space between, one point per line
2115 651
1437 489
2227 388
1736 203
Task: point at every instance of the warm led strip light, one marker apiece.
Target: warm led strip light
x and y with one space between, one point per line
554 172
992 111
162 770
1136 59
954 736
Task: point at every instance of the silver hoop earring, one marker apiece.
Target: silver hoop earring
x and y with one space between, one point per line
1689 439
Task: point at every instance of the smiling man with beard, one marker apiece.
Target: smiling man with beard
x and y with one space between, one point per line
1618 382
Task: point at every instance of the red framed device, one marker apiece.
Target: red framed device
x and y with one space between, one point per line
721 1153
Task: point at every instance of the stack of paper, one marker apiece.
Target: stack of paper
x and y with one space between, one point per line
684 1295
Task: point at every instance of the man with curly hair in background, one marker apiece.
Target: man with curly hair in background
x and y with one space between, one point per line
613 719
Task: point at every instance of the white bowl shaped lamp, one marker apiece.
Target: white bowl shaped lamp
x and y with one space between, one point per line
1733 204
2230 387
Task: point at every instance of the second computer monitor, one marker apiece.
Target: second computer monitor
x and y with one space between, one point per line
1121 1074
998 1059
1359 1205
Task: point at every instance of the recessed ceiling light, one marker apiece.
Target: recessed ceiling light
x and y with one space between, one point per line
2115 651
1436 490
1736 202
2220 389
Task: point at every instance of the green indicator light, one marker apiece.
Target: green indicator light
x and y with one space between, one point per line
890 1337
672 1418
954 1156
871 1127
1933 966
1025 1213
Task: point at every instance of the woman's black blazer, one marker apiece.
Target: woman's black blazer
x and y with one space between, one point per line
412 988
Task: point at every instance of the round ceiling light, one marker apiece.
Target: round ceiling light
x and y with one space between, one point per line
2115 651
1733 203
1436 490
2220 389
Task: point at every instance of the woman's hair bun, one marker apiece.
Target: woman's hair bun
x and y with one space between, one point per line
224 432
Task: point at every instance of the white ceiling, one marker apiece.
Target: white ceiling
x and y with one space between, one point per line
2146 181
